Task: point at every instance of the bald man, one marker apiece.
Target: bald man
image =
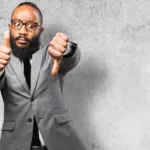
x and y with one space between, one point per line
31 82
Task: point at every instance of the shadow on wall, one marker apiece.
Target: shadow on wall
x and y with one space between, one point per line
81 87
84 91
85 82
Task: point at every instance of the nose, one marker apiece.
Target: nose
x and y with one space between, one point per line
23 30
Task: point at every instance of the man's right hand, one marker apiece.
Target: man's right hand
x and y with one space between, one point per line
5 51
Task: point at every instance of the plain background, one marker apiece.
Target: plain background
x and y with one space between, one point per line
108 93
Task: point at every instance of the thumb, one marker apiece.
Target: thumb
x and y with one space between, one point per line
55 67
6 40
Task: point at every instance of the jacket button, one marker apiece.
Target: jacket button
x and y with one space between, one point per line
32 99
29 120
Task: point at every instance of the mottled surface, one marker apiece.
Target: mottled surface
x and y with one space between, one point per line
108 94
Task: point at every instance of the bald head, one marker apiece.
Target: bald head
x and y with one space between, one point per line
31 5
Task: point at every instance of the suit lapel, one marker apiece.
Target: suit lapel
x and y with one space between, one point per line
19 72
35 69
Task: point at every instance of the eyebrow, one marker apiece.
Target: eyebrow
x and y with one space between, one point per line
23 21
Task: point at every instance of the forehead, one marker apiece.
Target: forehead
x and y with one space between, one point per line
26 13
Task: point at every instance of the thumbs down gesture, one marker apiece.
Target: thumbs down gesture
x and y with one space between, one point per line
57 48
5 51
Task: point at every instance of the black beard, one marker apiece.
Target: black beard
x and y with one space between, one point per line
25 53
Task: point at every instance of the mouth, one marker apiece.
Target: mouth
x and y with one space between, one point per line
22 41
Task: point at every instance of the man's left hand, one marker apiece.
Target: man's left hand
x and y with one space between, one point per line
57 48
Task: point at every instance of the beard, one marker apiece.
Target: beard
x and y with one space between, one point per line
25 53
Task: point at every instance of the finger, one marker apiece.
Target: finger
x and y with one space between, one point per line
57 46
6 39
4 56
60 41
55 67
62 35
1 67
5 50
54 53
3 62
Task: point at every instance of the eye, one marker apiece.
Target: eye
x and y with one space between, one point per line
16 24
31 25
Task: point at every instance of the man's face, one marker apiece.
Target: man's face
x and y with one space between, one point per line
22 37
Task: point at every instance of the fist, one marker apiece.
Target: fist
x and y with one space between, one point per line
5 51
57 48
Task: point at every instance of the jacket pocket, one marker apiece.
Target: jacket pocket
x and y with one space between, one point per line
8 126
62 118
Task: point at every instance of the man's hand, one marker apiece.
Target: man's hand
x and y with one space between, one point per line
57 48
5 51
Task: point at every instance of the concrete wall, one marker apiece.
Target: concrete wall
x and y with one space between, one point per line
108 94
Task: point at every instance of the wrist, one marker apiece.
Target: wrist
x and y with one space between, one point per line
71 48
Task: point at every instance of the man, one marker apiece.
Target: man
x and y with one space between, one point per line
31 83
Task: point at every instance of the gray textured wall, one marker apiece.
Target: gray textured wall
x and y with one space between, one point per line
108 94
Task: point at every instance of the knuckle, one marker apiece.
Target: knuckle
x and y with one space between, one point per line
51 52
1 55
63 49
50 49
58 34
5 62
52 42
62 35
2 49
8 57
6 50
58 54
65 44
54 38
2 66
66 38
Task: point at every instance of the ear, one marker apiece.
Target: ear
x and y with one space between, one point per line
41 30
9 26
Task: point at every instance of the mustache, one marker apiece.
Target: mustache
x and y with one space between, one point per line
20 37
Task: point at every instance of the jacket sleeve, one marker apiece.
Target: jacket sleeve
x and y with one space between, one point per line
2 79
70 60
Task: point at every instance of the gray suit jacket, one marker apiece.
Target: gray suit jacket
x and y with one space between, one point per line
44 100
